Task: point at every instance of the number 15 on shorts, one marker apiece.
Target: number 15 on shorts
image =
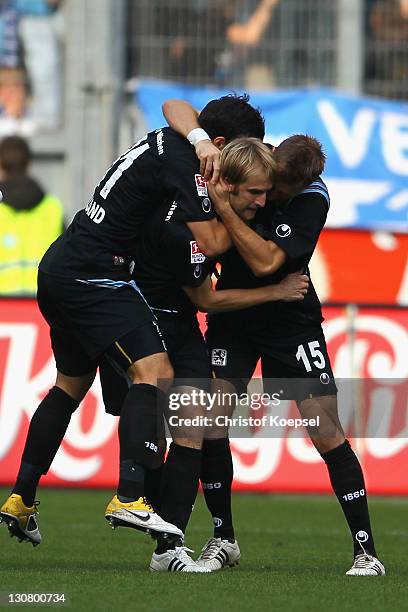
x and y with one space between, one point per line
311 352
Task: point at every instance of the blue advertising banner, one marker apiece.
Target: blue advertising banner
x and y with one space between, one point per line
365 140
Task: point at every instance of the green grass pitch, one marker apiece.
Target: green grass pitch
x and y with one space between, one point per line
295 551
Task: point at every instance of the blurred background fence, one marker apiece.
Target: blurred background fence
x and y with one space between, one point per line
357 45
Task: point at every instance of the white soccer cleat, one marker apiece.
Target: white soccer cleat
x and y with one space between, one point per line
218 553
366 565
176 560
139 515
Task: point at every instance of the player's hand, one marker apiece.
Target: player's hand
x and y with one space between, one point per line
293 287
209 157
220 196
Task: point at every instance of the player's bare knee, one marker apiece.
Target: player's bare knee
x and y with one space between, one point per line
186 415
189 443
75 386
153 370
325 444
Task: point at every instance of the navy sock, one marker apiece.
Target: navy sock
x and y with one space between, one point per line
45 434
216 479
152 487
140 428
180 484
346 477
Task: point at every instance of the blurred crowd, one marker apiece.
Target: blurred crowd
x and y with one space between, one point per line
30 65
264 43
386 66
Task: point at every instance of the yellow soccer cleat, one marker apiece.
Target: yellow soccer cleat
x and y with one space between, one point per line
140 515
21 520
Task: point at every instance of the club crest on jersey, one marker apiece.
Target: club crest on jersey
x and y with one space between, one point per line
283 230
219 357
201 185
118 260
197 257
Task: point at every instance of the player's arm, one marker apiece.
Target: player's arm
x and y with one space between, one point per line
291 288
183 118
262 256
211 236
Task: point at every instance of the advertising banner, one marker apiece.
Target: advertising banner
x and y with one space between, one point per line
365 141
373 352
361 267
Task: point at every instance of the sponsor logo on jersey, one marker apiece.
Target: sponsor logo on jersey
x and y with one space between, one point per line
95 212
361 536
324 378
197 256
206 205
159 140
219 357
171 211
198 271
283 230
201 185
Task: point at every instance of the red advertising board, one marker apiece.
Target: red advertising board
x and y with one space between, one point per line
89 453
343 258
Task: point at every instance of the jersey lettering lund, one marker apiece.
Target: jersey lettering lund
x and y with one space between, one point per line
95 212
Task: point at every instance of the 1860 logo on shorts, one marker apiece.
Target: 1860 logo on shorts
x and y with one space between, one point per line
219 357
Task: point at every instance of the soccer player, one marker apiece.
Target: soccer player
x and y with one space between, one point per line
289 339
94 310
174 277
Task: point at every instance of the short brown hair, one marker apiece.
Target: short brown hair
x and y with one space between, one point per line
15 155
244 157
300 160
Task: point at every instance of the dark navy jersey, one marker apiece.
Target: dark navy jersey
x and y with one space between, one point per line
295 227
167 259
161 168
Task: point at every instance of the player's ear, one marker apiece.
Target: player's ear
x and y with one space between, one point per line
219 142
228 186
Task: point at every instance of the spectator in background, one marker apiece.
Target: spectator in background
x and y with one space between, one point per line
240 64
29 220
40 31
12 81
387 56
193 29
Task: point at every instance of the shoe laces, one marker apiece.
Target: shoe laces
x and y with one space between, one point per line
211 548
361 561
148 504
181 552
